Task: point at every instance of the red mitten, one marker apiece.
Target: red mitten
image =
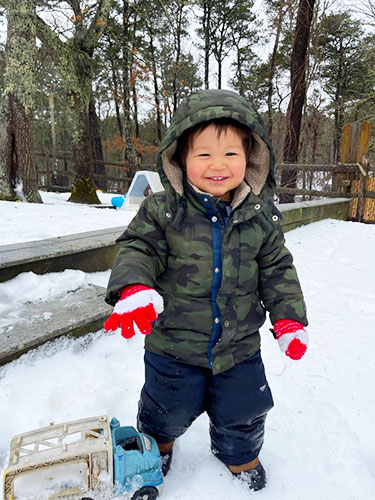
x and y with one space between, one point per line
138 304
292 337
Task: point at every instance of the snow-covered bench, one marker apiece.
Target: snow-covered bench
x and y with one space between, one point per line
76 313
90 251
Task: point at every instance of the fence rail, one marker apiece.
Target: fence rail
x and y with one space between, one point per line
55 172
341 180
339 168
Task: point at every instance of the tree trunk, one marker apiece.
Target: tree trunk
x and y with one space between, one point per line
18 178
83 188
51 101
23 152
315 141
78 97
133 83
135 107
272 70
116 93
206 30
97 149
156 88
239 73
127 141
298 94
219 73
6 154
178 55
338 114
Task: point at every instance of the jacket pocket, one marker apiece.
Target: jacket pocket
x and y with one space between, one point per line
251 313
185 313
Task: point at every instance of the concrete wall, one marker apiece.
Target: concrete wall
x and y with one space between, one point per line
299 214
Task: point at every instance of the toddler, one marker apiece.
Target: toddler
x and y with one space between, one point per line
197 269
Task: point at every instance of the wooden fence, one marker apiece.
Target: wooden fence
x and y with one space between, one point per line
55 173
343 180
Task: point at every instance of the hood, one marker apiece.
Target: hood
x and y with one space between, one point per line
207 105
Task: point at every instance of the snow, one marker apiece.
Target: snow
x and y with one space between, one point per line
319 442
56 217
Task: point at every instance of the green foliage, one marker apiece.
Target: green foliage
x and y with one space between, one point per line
178 79
342 46
230 26
346 69
83 191
252 81
10 197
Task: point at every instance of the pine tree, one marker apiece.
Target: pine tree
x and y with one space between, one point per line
17 168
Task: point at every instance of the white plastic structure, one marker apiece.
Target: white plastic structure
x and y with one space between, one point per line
68 458
143 181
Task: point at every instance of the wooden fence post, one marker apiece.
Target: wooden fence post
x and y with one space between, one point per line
354 150
362 159
345 150
364 139
346 143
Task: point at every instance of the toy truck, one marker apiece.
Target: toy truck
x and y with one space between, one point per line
83 460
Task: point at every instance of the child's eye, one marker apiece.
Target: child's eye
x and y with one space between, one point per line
205 155
230 154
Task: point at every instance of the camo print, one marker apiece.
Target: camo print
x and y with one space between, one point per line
257 269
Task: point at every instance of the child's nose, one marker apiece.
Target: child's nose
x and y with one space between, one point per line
218 163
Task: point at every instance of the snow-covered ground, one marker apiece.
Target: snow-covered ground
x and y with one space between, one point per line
320 442
56 217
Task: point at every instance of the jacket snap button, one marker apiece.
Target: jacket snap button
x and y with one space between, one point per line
257 207
275 218
227 272
214 218
226 323
168 215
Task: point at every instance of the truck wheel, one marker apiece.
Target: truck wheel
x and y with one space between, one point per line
146 493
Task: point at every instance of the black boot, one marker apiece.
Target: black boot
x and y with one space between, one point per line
254 478
166 459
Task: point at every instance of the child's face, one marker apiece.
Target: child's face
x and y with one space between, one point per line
216 165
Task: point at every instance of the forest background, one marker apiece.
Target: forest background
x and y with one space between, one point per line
101 80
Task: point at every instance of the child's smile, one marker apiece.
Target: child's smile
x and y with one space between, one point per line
216 163
217 179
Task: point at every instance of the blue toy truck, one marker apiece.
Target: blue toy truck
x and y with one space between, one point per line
83 460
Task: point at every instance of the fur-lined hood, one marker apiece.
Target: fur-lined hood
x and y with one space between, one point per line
207 105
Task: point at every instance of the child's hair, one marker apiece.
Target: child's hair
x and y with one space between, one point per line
185 141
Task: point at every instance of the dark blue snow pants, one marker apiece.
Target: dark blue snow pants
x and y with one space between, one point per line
236 401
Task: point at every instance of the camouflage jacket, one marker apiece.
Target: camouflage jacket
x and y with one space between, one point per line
169 246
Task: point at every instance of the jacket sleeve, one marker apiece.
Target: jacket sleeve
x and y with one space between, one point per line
142 251
278 285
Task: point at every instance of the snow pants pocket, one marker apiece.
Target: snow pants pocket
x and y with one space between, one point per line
236 401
